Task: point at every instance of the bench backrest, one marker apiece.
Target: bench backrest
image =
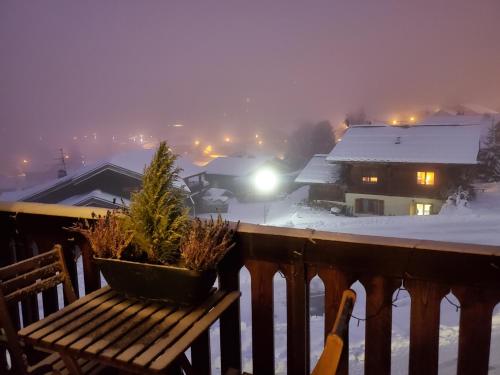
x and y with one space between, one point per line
25 279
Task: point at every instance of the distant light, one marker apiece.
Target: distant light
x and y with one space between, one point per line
227 139
75 138
339 139
208 149
196 143
66 156
260 142
412 119
256 136
25 161
394 122
178 125
266 180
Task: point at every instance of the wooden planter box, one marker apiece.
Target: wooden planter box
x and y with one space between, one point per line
157 282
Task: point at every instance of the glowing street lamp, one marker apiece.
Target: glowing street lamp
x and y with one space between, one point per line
266 182
196 143
227 139
25 161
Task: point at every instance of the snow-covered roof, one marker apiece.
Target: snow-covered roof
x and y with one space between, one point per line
319 171
130 163
235 165
443 144
97 194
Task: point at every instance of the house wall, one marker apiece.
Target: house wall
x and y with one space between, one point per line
401 180
394 205
326 192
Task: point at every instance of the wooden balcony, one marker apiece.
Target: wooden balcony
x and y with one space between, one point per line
427 269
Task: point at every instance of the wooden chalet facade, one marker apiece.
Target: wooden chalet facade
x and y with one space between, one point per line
324 180
401 170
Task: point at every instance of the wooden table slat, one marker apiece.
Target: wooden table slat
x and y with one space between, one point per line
108 326
127 333
89 327
123 347
144 342
58 314
182 326
200 326
118 333
81 320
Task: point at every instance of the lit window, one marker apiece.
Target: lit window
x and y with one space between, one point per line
424 209
370 179
425 178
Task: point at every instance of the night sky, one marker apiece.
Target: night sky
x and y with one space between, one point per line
68 68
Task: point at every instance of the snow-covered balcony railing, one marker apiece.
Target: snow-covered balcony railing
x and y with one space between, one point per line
427 269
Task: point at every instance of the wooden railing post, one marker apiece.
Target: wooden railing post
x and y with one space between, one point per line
91 274
230 330
424 325
335 282
379 291
200 354
476 309
262 274
297 316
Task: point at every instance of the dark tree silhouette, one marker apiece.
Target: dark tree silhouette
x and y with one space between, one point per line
308 140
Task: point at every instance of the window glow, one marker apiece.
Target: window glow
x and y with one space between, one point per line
370 179
425 178
424 209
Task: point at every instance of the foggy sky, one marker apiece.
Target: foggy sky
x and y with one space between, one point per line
71 67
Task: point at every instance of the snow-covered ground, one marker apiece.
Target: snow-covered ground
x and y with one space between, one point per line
480 223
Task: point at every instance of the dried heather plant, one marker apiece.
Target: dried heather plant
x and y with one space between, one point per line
107 235
206 243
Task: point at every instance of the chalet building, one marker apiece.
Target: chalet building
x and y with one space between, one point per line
404 170
324 179
108 183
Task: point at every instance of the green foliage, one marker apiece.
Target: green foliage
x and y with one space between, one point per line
157 214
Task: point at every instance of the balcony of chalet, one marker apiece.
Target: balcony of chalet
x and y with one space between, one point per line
428 270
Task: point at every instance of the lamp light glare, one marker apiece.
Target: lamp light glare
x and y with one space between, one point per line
266 181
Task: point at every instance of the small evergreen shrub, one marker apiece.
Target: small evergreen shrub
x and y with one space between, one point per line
158 215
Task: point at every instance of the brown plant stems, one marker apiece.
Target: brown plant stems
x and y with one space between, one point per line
206 243
107 236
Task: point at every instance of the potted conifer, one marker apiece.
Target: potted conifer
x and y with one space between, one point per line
153 250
